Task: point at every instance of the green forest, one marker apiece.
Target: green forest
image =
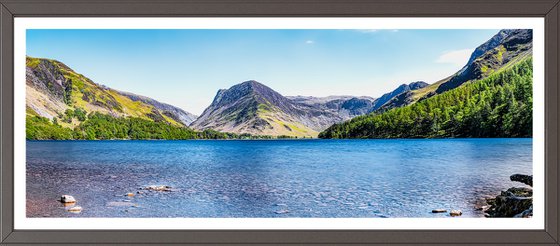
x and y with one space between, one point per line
497 106
97 126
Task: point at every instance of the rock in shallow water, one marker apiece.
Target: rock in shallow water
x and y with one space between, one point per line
439 210
515 202
283 211
158 188
454 213
67 199
526 179
76 209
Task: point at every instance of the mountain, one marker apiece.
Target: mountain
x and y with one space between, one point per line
491 96
346 107
503 48
56 92
398 91
251 107
499 105
501 51
171 111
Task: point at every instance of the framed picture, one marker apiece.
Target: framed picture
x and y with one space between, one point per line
309 122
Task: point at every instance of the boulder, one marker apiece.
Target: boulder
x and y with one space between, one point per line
526 179
525 214
511 202
439 210
454 213
67 199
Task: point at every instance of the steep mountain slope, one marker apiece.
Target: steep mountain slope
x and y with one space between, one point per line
506 46
251 107
503 49
404 88
497 106
171 111
56 92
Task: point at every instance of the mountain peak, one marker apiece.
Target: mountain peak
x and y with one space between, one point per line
417 85
254 108
387 97
251 83
244 89
498 39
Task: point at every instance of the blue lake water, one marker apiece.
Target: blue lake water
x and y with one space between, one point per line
272 178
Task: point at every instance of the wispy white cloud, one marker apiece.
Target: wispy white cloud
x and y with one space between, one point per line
309 42
368 30
377 30
457 57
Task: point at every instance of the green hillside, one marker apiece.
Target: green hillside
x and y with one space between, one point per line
63 104
497 106
53 91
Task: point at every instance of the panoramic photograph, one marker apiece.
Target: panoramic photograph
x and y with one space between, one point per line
279 123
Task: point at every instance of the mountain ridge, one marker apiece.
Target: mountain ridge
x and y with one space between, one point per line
507 102
501 50
53 88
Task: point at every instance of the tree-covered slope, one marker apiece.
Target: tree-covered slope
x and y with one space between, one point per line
505 48
497 106
98 126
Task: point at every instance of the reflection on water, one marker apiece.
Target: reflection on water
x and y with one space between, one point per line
277 178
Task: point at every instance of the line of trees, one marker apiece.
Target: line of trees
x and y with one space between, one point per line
497 106
97 126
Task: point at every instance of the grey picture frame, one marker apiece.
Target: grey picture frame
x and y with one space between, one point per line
548 9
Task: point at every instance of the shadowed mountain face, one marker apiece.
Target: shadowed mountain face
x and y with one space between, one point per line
387 97
503 49
251 107
53 89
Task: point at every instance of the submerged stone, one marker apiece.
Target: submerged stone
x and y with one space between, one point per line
76 209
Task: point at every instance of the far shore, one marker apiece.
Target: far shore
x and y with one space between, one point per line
271 139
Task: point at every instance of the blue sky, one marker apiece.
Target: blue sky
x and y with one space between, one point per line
186 67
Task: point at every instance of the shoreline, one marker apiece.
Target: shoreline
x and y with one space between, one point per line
515 202
270 139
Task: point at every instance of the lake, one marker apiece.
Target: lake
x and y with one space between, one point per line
272 178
